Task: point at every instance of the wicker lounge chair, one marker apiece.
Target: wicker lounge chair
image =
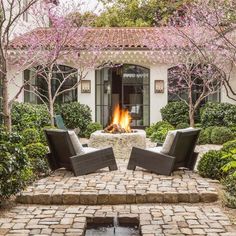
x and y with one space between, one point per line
66 151
180 154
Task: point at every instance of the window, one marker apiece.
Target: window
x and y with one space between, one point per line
39 84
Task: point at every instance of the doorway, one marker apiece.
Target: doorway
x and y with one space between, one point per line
127 85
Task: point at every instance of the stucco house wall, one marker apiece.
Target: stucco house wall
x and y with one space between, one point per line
157 100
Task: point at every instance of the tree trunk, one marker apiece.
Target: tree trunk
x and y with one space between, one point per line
5 97
191 117
50 97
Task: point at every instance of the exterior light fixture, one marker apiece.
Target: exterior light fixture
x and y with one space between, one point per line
159 86
85 86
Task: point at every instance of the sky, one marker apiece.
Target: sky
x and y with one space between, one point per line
91 5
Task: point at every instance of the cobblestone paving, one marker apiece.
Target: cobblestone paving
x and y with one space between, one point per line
119 187
154 220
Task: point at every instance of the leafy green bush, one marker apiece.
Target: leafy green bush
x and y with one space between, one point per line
182 126
36 153
154 127
42 134
233 129
218 114
15 171
230 167
220 135
157 132
25 115
210 165
92 127
76 115
229 146
30 136
205 135
175 113
230 191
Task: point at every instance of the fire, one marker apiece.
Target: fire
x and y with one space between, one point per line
120 122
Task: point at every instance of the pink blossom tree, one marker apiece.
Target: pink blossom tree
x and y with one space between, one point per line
10 13
48 48
218 18
44 49
197 57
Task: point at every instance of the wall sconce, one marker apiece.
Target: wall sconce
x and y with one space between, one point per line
85 86
159 86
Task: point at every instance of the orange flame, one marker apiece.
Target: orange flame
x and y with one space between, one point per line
122 119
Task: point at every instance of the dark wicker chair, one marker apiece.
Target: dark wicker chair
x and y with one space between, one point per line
181 154
63 154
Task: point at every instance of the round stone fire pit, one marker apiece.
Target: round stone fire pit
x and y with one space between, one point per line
121 143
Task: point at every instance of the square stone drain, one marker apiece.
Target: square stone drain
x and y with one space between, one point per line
112 226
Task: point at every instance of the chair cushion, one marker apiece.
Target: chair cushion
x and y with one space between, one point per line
89 149
79 149
170 139
155 149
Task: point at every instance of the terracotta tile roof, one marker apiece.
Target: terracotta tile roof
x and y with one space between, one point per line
108 38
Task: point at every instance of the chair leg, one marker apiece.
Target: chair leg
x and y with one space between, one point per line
192 161
113 167
131 166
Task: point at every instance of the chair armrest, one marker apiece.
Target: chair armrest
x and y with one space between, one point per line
98 151
156 162
159 144
85 145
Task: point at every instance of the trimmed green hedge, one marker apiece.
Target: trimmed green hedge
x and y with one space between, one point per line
92 127
25 115
218 114
210 165
76 115
175 113
157 132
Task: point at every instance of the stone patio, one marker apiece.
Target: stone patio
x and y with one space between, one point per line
119 187
154 220
181 204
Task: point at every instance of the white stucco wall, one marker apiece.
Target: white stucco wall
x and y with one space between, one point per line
15 82
224 97
88 98
157 100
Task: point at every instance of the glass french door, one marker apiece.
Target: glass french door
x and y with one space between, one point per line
128 86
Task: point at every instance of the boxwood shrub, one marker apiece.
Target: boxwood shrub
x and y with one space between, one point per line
205 135
220 135
218 114
175 113
36 153
92 127
76 115
157 132
211 163
182 126
25 115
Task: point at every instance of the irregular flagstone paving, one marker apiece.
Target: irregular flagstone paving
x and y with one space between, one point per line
119 187
154 220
